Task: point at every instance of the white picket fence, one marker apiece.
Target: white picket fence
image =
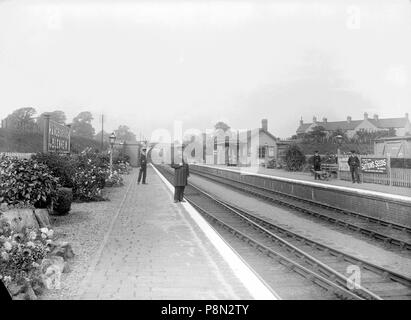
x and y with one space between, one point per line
17 154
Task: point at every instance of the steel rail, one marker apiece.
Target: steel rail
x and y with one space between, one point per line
332 275
371 233
388 274
294 266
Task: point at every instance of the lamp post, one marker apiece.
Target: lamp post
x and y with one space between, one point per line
266 154
339 139
112 139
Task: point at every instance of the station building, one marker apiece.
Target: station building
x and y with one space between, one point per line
238 147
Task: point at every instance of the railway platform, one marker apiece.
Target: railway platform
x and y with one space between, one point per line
307 176
389 208
156 249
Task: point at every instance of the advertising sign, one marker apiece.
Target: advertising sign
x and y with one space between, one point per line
343 163
374 165
58 137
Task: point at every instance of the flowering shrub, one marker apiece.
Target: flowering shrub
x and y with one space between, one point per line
294 158
91 172
27 182
122 167
114 180
21 254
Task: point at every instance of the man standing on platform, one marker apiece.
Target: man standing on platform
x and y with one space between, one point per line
143 166
181 173
354 164
317 165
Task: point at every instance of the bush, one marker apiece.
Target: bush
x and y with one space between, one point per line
60 165
114 180
294 158
64 197
25 181
91 173
122 167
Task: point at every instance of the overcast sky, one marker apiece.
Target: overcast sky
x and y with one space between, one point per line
145 64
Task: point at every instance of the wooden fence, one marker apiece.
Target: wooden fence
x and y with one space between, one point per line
400 177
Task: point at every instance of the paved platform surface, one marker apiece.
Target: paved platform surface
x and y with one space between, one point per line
306 176
154 250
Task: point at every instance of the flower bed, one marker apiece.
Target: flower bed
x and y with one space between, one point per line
21 256
31 260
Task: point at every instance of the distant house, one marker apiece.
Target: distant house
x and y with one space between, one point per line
350 127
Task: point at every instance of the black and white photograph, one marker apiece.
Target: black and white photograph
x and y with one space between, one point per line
205 154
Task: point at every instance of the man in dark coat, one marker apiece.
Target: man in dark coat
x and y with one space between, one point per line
354 164
143 166
317 165
181 173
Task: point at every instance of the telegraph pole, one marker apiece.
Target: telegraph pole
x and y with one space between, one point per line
102 131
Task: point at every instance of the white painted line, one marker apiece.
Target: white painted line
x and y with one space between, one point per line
250 280
364 192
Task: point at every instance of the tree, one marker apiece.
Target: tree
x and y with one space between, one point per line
81 125
221 125
294 158
123 133
339 132
318 133
21 119
106 135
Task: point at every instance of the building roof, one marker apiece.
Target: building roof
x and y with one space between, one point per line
393 138
345 125
331 125
303 127
233 136
267 133
389 123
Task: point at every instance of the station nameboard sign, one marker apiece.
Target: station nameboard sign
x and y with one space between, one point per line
58 137
374 165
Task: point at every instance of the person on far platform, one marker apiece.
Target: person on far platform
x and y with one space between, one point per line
317 165
354 164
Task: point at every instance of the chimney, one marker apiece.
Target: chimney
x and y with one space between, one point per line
314 119
365 115
376 117
324 119
406 115
301 121
349 119
264 124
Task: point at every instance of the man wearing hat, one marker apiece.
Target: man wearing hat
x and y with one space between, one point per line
317 165
143 166
181 173
354 164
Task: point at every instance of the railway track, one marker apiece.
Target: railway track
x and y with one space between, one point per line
321 265
383 231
